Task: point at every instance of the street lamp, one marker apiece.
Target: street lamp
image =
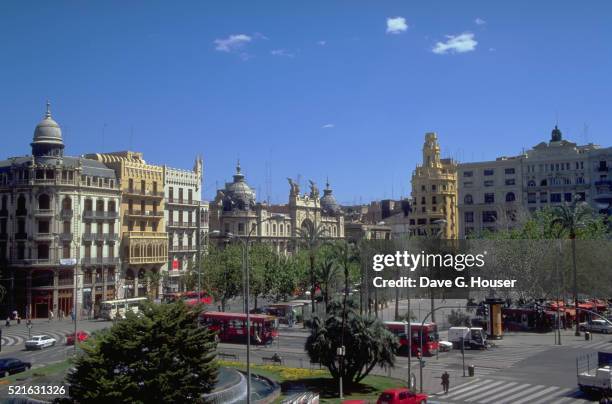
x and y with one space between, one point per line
245 262
439 235
408 332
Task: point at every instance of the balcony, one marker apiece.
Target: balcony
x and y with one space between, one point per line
603 183
43 236
145 213
175 201
143 193
146 247
43 212
184 225
36 261
184 248
66 214
98 214
100 261
65 236
603 169
100 237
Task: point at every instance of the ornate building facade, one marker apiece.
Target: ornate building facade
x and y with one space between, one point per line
59 219
144 241
434 193
235 211
494 194
183 193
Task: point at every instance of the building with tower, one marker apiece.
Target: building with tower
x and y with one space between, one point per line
236 211
434 194
59 222
495 194
184 208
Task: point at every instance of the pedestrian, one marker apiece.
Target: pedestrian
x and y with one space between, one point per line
15 314
50 315
445 382
18 319
8 321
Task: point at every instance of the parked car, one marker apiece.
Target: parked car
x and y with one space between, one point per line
81 335
9 366
401 396
445 346
602 326
40 342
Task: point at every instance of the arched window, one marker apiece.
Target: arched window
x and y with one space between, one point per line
111 206
281 229
468 199
274 229
100 205
88 205
510 197
288 229
531 183
44 202
67 203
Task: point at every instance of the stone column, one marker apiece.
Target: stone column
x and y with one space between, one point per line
55 308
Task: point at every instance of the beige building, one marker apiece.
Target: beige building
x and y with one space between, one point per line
434 193
495 194
235 211
144 244
59 222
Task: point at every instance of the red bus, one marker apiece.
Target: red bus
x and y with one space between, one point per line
190 298
231 327
429 331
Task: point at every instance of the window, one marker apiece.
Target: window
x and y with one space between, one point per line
421 221
130 225
423 201
423 188
190 195
489 216
180 194
434 200
489 198
581 196
67 203
579 180
467 184
143 186
111 206
488 172
509 171
143 226
433 187
555 198
510 181
531 183
468 174
240 227
531 197
66 250
543 183
171 193
489 183
543 197
43 226
66 227
44 202
567 196
468 200
510 197
100 205
412 222
43 251
469 217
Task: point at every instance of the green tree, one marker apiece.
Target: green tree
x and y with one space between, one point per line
154 279
161 355
222 272
368 343
262 264
327 274
311 236
570 218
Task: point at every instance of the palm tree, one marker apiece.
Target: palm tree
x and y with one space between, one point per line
311 236
570 218
327 273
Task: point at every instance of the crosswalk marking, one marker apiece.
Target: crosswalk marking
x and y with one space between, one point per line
480 389
491 391
536 395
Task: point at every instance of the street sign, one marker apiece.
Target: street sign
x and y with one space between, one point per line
68 261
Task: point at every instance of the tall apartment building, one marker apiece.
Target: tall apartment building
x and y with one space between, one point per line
183 193
144 241
59 218
493 194
434 193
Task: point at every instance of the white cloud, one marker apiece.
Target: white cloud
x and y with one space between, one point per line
479 21
281 52
396 25
456 44
322 43
328 126
232 42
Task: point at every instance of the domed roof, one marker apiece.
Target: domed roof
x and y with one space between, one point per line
48 131
238 194
329 205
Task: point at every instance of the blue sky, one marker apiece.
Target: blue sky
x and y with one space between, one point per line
344 89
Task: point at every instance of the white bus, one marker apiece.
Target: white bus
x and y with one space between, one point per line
109 309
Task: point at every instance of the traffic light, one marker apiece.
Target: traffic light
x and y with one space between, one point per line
486 310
